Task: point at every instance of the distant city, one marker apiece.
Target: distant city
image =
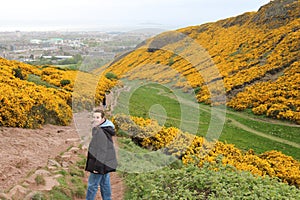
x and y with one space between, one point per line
58 47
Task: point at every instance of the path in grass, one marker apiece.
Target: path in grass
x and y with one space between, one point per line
204 108
244 127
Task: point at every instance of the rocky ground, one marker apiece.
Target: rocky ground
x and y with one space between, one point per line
26 153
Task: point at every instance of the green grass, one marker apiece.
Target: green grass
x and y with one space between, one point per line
245 140
174 108
37 80
285 132
161 106
69 66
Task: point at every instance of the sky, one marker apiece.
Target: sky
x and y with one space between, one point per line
118 14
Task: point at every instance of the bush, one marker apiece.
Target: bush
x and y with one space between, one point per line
197 89
110 75
18 73
65 82
194 183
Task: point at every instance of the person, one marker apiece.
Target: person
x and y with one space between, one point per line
104 101
101 158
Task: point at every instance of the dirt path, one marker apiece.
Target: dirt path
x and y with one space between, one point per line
82 123
25 151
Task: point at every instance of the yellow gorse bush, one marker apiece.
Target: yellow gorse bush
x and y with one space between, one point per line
31 104
24 104
197 150
278 99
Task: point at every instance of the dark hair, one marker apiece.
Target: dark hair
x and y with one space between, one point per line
100 111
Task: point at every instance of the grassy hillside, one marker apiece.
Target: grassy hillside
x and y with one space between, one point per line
244 131
247 62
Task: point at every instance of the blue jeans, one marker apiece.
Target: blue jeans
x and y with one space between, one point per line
94 181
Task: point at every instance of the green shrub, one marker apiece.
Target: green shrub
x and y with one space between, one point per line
193 183
197 90
65 82
171 62
111 75
18 73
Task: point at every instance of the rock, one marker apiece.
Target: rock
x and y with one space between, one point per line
4 196
53 163
25 184
18 192
72 140
57 176
50 182
65 164
51 168
33 194
66 157
74 149
42 172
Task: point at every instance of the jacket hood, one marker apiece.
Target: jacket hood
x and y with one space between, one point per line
107 123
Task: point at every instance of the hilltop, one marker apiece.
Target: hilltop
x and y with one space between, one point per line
250 61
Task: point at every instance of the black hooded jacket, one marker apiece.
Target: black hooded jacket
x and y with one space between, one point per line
101 153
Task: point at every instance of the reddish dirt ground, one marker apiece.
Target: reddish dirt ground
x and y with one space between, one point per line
23 151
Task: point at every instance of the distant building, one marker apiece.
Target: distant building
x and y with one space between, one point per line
35 41
57 57
56 41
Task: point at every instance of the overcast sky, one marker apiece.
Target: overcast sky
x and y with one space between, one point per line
165 14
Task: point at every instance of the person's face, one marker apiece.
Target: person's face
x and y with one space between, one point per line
97 118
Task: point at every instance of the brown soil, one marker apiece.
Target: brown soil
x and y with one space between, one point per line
24 151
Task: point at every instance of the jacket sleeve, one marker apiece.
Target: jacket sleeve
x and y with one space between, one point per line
110 130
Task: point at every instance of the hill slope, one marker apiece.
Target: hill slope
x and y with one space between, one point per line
247 61
31 96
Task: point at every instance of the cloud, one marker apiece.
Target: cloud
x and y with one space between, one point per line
121 12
